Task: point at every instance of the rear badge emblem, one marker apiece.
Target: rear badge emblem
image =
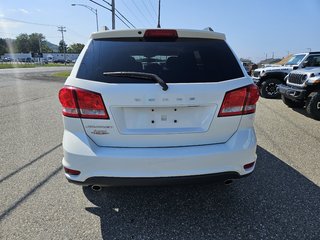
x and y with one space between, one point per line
99 132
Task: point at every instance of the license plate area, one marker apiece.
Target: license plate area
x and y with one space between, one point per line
163 120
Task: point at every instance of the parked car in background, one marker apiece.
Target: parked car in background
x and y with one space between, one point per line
7 59
268 78
302 88
58 61
156 106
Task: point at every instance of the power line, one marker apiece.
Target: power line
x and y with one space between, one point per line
38 24
132 12
141 12
120 14
16 34
123 21
153 8
80 35
107 3
145 6
26 22
111 11
100 5
125 18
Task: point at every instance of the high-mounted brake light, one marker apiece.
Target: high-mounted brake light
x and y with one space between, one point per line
80 103
239 101
160 33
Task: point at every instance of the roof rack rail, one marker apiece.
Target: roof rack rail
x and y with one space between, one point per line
208 29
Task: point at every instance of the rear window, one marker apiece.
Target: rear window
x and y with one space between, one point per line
179 61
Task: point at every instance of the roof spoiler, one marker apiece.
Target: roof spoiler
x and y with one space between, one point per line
208 29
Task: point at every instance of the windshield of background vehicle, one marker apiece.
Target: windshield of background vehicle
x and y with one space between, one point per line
296 59
179 61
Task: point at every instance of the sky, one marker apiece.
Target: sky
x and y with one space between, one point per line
255 29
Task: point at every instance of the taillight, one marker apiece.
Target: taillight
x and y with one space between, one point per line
67 100
71 171
90 104
239 101
82 103
160 33
249 165
252 98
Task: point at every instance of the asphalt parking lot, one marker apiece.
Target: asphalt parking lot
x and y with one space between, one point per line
281 200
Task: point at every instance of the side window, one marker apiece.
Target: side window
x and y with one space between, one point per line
313 61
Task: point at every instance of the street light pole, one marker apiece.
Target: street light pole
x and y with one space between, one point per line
95 11
97 20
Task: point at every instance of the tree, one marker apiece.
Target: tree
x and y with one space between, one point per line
45 48
3 46
62 45
75 48
35 42
22 43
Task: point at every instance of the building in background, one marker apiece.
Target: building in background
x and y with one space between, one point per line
49 57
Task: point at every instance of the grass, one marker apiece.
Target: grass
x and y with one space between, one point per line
62 74
56 65
30 65
10 65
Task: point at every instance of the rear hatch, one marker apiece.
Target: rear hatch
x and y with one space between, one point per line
197 71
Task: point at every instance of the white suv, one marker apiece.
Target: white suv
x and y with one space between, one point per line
157 105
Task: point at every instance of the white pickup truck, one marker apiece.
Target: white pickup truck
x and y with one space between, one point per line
268 78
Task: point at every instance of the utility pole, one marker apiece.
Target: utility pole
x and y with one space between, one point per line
113 11
39 49
40 45
62 30
159 15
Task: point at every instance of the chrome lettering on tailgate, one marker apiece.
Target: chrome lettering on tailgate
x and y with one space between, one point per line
179 99
100 132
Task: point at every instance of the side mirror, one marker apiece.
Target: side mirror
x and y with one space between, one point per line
295 67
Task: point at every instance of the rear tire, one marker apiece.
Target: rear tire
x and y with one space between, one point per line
313 107
269 88
290 103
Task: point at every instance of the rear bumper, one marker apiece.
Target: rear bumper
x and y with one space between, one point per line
102 164
292 93
118 181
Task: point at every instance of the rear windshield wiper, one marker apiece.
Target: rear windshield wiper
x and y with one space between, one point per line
139 75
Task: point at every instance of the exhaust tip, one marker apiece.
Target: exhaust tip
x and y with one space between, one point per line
228 182
96 188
